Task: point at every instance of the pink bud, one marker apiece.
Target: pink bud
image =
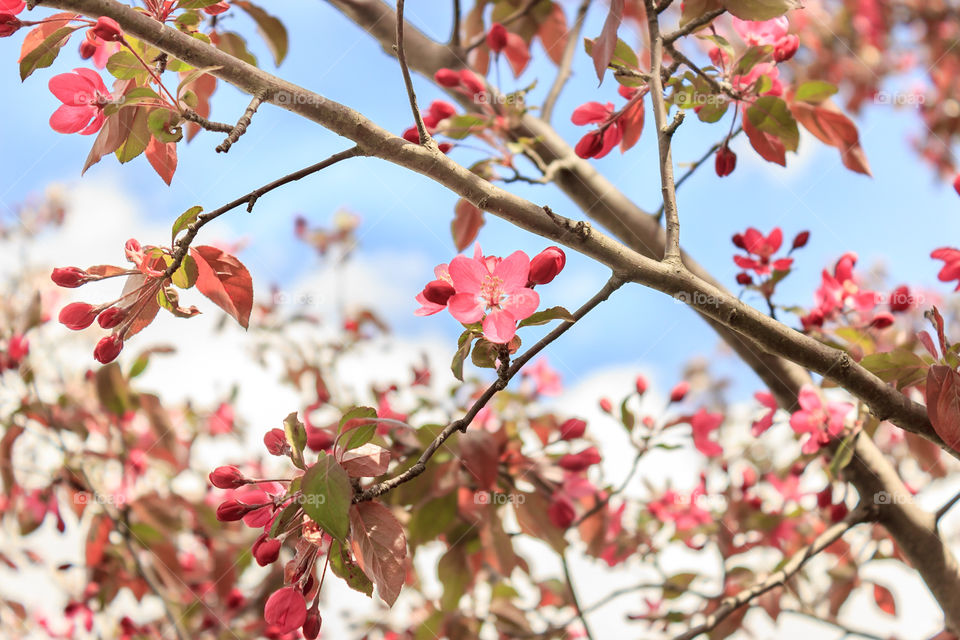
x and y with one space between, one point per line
882 320
276 442
825 497
285 609
606 405
88 49
266 550
785 48
900 299
572 429
497 37
108 349
471 82
107 29
956 184
801 240
18 347
838 512
78 315
111 317
438 292
546 265
561 512
580 461
641 385
311 626
445 147
411 134
227 477
738 241
447 78
69 277
679 392
232 510
726 161
744 278
590 145
9 25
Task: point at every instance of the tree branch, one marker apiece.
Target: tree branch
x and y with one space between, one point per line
790 569
566 62
614 283
250 199
241 127
693 25
425 138
573 596
671 253
696 165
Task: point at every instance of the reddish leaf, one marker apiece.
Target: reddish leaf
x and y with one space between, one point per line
163 158
927 454
202 87
97 538
467 220
225 281
144 304
380 547
553 33
44 30
943 403
114 131
517 52
884 600
832 127
367 461
606 42
478 453
631 123
768 146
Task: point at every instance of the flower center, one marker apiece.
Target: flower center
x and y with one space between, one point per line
491 291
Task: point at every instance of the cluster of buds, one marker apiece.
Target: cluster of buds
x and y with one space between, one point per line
613 125
439 111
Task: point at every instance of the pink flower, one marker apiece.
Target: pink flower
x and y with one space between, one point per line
12 7
767 400
84 96
747 82
683 511
545 377
286 609
499 295
821 422
760 33
591 113
222 419
497 37
679 391
951 264
703 425
580 461
761 248
561 511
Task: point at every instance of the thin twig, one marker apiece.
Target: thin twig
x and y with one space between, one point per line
671 252
693 25
602 503
942 511
209 125
729 605
715 86
455 35
566 62
249 199
573 596
614 283
241 127
696 165
425 138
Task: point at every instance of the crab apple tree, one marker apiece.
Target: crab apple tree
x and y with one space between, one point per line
479 493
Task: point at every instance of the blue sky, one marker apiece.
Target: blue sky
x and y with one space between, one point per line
896 218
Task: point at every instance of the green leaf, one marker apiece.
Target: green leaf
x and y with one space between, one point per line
901 366
626 416
344 567
195 4
186 274
751 57
46 52
760 9
139 95
297 438
357 413
123 65
463 350
485 354
192 76
183 221
236 46
430 520
693 9
814 91
359 436
284 518
326 496
462 125
545 316
843 455
677 585
164 125
770 114
269 28
623 54
138 134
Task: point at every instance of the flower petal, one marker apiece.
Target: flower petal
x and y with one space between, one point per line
522 303
499 327
466 274
465 307
513 271
72 89
68 119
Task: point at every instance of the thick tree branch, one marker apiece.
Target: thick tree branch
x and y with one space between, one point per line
790 569
614 283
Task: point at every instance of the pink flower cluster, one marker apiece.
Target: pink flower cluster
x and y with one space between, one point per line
439 111
496 292
822 421
613 127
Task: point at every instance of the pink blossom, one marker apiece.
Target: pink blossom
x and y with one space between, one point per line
433 304
12 7
703 425
767 400
761 248
545 377
951 264
760 33
498 296
822 422
768 69
591 112
84 96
